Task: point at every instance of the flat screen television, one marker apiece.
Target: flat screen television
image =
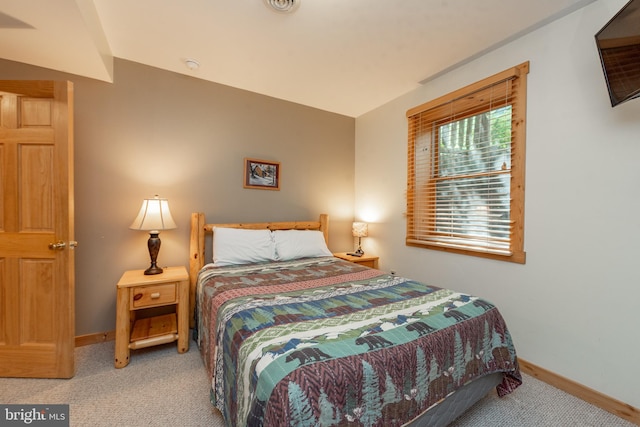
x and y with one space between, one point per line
619 47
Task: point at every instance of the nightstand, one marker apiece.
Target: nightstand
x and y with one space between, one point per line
137 292
366 260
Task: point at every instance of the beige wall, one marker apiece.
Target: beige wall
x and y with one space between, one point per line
156 132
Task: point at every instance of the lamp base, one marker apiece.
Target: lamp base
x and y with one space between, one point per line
154 269
154 247
359 251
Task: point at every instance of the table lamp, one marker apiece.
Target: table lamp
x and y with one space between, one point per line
154 216
360 230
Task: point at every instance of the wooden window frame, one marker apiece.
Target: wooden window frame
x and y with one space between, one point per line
436 110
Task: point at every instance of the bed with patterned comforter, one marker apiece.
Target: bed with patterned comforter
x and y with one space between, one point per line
322 341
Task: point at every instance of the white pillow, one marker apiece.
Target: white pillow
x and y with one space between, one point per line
293 244
233 246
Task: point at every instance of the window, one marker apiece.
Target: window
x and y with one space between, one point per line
466 162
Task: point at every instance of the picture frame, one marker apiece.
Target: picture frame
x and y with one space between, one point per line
261 174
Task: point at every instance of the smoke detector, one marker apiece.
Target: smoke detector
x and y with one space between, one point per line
283 6
192 64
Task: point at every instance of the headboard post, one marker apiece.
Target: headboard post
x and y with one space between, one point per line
196 260
324 227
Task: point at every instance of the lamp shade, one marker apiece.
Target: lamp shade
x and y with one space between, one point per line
360 229
154 215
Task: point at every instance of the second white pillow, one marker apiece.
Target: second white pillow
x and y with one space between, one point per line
293 244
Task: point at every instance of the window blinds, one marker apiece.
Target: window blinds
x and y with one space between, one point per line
460 160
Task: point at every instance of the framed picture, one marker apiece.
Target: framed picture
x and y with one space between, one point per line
261 174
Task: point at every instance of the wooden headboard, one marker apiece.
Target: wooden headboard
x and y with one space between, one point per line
201 232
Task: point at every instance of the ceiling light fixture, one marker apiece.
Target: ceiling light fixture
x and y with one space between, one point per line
283 6
192 64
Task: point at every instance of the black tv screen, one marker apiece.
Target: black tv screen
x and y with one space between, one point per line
619 47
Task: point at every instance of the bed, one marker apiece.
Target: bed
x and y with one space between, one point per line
291 335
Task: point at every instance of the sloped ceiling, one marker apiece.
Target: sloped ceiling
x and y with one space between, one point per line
347 56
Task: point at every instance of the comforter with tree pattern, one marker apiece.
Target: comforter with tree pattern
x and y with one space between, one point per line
322 341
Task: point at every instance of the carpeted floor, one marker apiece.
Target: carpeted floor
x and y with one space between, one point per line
163 388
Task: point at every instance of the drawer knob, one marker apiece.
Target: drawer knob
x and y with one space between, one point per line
155 295
136 297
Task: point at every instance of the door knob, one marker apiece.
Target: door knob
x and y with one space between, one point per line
57 246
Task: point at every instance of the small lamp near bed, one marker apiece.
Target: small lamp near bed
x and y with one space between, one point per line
360 230
154 216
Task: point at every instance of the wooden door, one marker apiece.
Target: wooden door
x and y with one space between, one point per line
37 329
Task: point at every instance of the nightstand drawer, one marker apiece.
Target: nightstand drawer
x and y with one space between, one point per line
149 296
